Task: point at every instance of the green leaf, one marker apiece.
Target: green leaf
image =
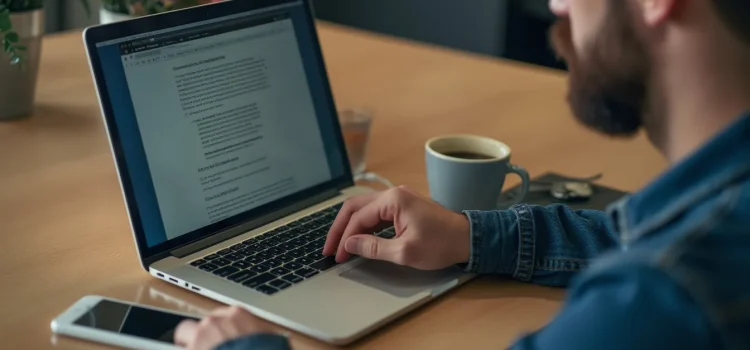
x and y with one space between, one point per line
87 7
12 37
5 24
7 46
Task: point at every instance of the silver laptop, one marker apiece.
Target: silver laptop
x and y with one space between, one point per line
232 164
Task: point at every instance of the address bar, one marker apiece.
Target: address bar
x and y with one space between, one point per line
182 50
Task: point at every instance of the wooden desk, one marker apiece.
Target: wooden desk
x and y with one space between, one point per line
63 227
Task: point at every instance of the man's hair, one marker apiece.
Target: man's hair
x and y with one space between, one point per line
736 14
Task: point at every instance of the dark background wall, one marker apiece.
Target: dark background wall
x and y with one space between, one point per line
514 29
473 25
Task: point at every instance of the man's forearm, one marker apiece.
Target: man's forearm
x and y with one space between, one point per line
542 245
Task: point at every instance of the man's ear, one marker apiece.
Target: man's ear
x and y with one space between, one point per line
656 12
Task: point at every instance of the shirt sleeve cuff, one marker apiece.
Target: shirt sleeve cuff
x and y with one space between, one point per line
494 242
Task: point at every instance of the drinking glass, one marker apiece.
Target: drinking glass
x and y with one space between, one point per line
355 125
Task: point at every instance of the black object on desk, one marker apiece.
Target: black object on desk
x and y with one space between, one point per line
602 197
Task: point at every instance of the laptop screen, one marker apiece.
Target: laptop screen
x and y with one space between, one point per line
219 117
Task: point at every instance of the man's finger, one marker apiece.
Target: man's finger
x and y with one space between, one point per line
365 221
350 207
185 332
373 247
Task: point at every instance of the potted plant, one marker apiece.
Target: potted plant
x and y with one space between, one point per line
114 11
21 29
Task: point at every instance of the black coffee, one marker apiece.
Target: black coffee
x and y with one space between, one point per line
468 155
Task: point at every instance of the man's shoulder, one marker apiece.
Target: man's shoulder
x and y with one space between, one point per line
704 253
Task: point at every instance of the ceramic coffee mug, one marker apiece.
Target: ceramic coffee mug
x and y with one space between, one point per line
467 172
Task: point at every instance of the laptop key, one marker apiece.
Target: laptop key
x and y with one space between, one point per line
319 244
254 260
320 232
306 272
268 290
325 264
241 276
211 257
233 257
258 280
297 253
280 271
322 221
242 264
293 265
306 260
274 262
294 224
224 251
279 284
198 262
285 258
311 248
309 226
246 252
208 267
226 271
292 278
260 268
276 251
237 246
287 246
265 255
221 262
273 233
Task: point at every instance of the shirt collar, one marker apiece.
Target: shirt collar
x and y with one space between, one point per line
722 160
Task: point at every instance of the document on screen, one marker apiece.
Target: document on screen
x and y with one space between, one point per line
228 123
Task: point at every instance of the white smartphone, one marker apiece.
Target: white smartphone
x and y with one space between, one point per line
120 323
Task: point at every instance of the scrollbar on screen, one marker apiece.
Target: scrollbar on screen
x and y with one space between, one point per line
132 320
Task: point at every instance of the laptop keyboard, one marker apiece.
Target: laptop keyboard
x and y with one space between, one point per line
278 259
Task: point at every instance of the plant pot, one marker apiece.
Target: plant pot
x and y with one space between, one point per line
17 85
107 16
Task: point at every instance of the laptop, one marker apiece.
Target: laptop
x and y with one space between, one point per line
232 164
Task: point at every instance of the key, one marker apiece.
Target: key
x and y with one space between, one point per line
325 264
280 271
292 278
241 276
226 271
259 280
268 290
279 284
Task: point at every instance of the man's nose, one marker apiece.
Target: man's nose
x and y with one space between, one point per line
560 8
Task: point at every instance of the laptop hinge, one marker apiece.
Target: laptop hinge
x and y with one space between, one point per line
251 225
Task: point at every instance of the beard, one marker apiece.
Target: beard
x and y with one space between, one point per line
607 83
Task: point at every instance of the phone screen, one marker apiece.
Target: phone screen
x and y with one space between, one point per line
132 320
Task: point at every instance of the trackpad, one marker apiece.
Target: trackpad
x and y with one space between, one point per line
399 280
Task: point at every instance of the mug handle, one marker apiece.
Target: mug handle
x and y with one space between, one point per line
525 182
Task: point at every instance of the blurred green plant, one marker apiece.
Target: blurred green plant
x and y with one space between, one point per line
116 6
9 38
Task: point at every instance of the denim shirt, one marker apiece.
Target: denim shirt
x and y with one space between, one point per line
665 268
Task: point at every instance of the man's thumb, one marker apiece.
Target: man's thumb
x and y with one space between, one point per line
370 247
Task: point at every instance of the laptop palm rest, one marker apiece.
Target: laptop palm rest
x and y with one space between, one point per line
401 281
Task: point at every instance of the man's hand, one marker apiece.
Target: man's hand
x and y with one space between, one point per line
221 326
428 236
